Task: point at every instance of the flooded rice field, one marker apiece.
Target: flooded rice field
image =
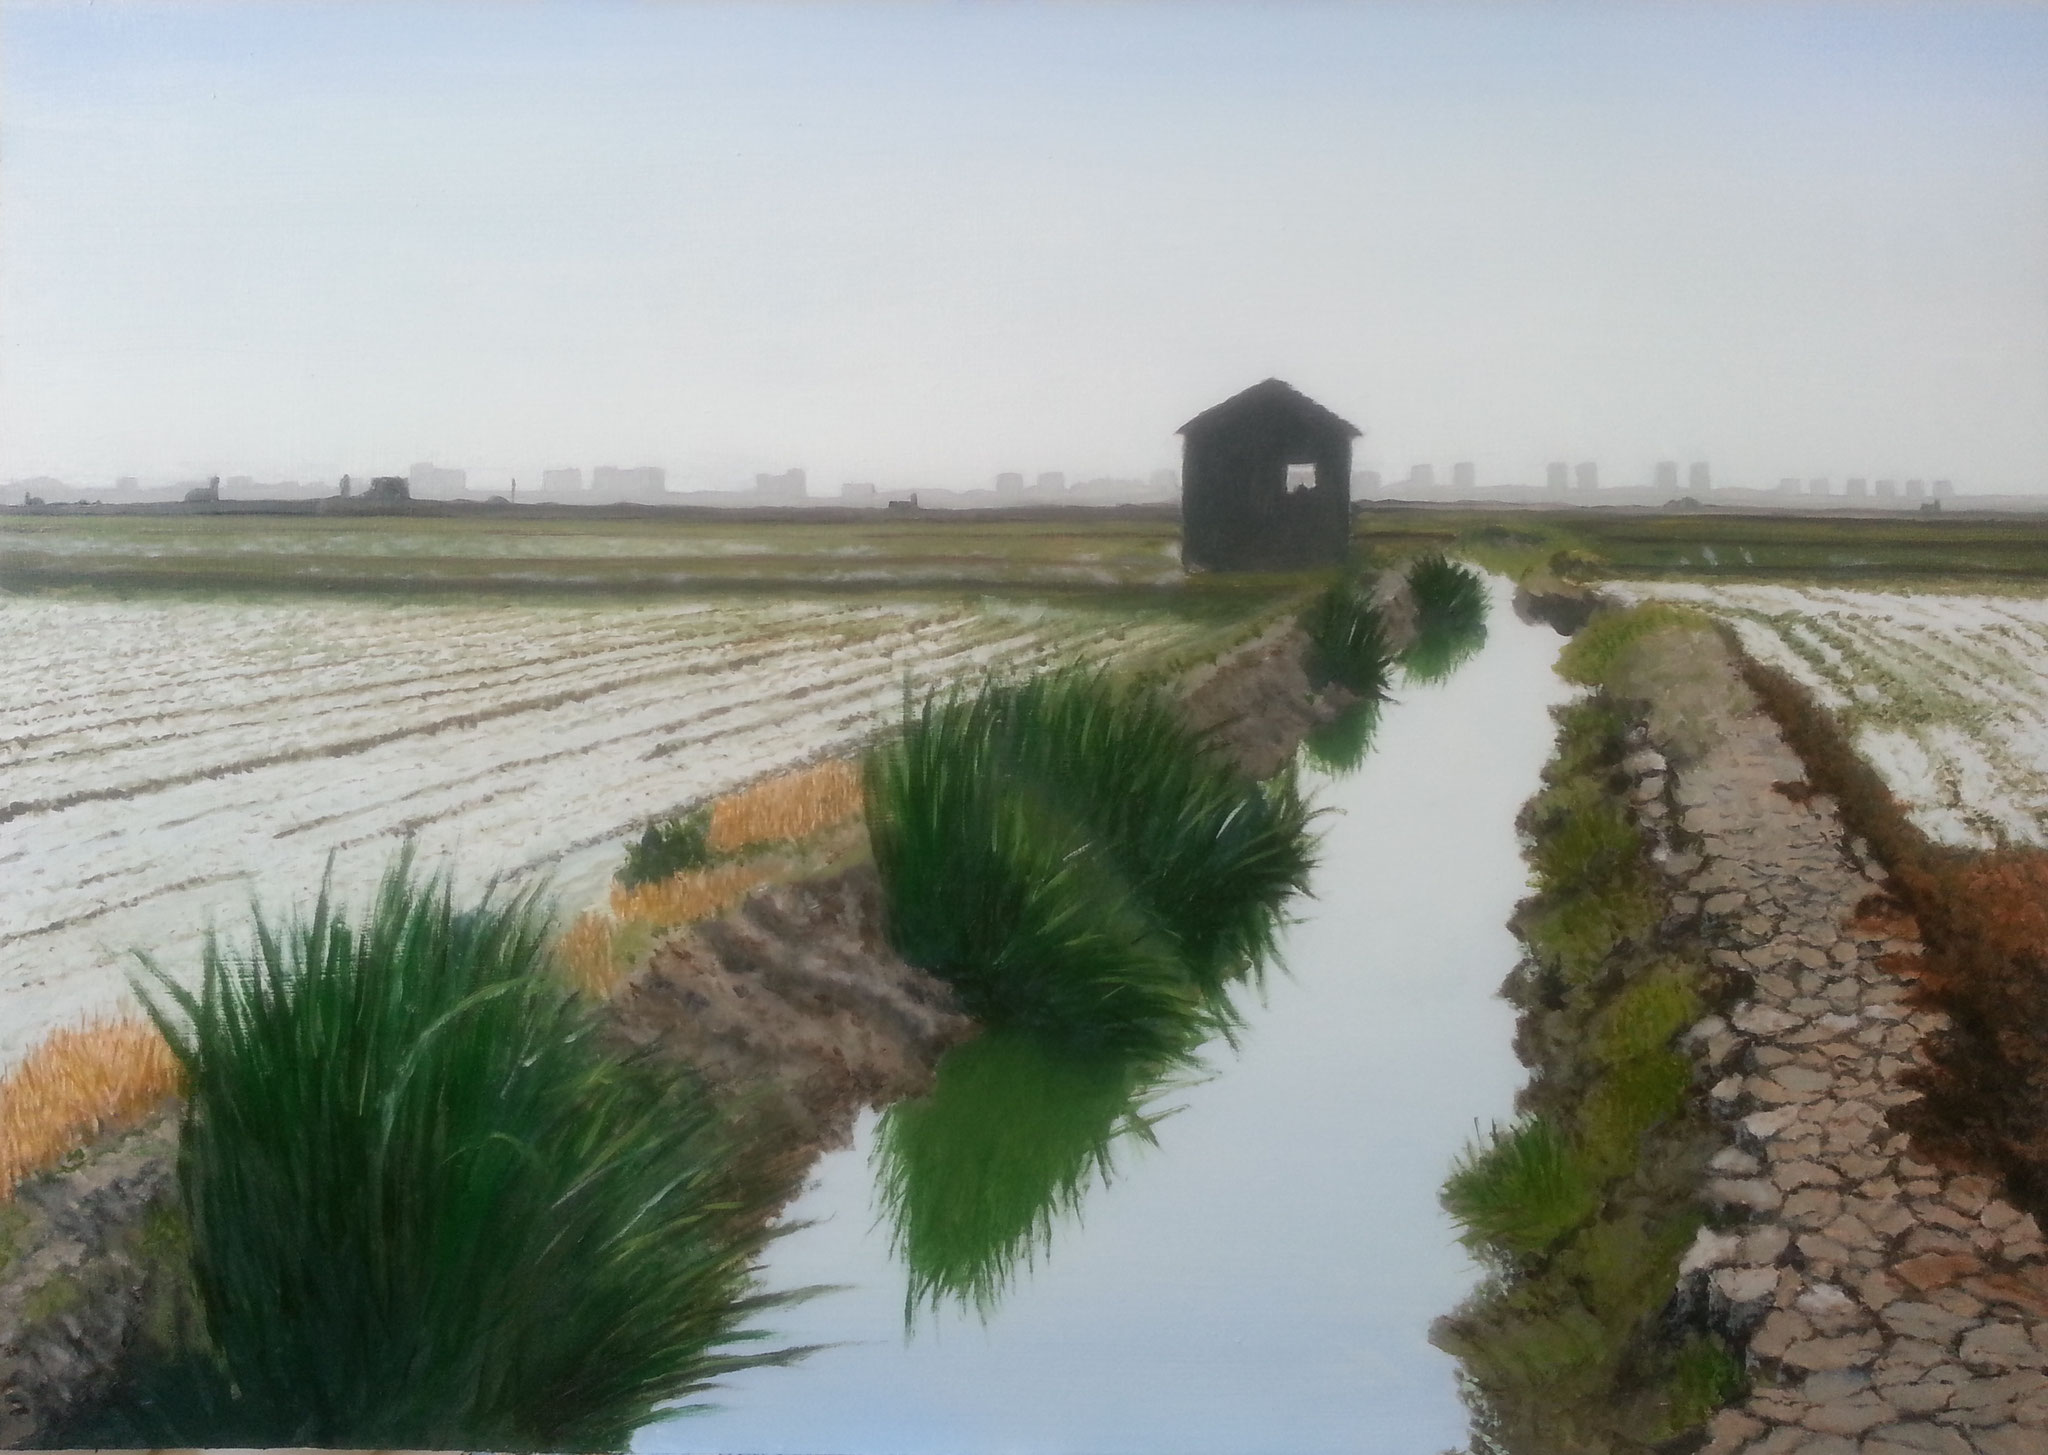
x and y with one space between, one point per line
1944 694
1245 1260
161 761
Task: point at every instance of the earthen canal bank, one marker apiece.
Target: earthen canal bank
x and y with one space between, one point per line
1886 1305
792 1001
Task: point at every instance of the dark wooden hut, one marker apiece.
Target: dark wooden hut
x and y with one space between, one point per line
1266 483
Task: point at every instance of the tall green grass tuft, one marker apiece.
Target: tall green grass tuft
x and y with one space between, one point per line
1074 860
975 1175
1348 643
427 1210
1450 618
1521 1190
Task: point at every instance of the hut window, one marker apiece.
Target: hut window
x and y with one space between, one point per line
1301 477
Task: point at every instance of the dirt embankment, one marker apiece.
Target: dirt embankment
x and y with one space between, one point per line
1888 1297
90 1269
794 1008
791 1008
1984 921
1257 702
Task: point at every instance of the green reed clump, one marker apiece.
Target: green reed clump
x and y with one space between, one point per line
975 1174
1072 858
1626 1102
668 848
1597 648
1654 1007
1521 1190
1595 890
1704 1375
427 1210
1535 1358
1347 638
1450 618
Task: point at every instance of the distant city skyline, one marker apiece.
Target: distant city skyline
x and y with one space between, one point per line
430 478
920 246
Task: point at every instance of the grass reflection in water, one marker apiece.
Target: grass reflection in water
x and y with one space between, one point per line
976 1175
1340 745
1450 619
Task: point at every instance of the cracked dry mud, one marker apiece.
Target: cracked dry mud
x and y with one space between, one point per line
1891 1307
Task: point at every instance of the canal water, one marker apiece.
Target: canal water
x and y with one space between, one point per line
1263 1276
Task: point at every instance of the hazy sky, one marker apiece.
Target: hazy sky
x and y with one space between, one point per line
920 243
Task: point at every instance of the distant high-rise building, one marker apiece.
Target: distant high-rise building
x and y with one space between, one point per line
1422 477
1010 482
1817 486
1557 477
1944 490
1887 489
1464 477
428 479
1586 475
1857 488
1052 480
1667 476
1916 489
1699 480
864 489
789 485
1365 482
1164 482
634 482
561 482
1788 486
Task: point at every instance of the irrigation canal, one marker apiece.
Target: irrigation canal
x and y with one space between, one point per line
1261 1278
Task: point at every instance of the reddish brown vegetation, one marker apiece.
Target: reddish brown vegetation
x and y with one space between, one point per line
1987 1092
1983 919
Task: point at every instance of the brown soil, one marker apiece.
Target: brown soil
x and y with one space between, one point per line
794 1006
1984 921
1257 703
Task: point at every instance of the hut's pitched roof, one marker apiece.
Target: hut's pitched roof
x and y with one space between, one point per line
1272 394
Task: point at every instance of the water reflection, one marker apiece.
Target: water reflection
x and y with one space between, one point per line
1340 745
1450 619
975 1176
1261 1282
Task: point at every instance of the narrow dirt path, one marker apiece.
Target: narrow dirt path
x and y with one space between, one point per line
1892 1307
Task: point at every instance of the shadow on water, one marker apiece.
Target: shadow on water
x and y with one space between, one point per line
976 1176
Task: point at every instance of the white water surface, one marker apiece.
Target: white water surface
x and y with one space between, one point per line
1264 1279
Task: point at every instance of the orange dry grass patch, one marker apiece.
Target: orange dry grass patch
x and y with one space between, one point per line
75 1085
685 898
585 949
792 805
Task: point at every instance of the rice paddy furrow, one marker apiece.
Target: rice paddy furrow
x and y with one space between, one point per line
496 740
